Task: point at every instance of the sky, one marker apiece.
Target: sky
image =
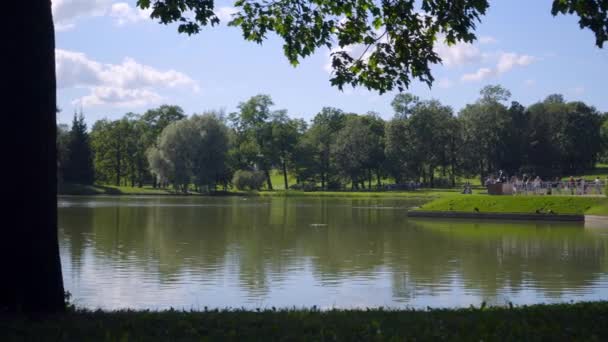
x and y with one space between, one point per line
113 59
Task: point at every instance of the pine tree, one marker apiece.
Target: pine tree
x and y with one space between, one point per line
79 164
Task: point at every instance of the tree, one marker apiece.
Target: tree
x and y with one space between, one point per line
353 150
403 104
376 158
155 120
404 50
111 142
254 134
286 133
210 149
192 150
397 37
398 151
486 125
32 280
604 137
322 134
63 139
78 167
563 137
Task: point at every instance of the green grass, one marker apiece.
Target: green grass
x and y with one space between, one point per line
278 183
98 189
555 322
427 193
102 189
520 204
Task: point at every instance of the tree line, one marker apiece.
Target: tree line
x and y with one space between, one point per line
425 141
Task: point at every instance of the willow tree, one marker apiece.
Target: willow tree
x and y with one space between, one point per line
397 39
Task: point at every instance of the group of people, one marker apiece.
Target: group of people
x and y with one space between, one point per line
535 185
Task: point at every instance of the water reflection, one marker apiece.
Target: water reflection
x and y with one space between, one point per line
231 252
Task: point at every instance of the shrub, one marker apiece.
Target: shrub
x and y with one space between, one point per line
248 180
304 186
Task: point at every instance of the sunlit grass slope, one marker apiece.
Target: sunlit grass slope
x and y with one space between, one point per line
519 204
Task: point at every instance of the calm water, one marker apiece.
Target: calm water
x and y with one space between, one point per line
261 252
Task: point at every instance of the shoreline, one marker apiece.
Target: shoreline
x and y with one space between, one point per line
496 216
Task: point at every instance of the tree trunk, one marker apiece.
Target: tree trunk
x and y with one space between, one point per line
322 180
285 174
268 180
31 269
117 170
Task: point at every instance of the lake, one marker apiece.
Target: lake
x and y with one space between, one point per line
255 252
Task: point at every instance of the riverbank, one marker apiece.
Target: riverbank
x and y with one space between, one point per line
547 206
565 322
92 190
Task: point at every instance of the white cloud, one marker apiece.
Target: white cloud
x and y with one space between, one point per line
127 84
487 40
506 62
458 54
124 13
118 97
530 83
225 13
509 60
67 12
479 75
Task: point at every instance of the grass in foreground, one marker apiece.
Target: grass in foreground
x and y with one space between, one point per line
563 322
520 204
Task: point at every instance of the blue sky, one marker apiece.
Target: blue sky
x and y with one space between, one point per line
111 60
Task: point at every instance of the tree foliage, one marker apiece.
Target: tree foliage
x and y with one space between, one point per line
380 45
77 166
192 151
423 142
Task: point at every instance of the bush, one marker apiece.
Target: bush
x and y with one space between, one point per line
248 180
304 186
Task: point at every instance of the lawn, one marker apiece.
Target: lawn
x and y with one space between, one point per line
103 189
563 322
424 193
520 204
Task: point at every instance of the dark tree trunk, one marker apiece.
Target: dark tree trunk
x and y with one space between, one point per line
268 180
323 180
285 174
31 269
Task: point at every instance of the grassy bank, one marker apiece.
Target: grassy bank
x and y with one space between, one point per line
98 189
88 190
428 194
567 322
520 204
